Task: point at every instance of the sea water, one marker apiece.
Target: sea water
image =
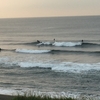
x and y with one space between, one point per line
65 61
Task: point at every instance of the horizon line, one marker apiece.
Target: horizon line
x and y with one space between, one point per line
49 16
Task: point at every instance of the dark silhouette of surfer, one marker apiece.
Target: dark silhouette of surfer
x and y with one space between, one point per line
38 41
54 40
81 41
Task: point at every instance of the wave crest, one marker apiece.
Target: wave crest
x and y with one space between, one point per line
31 51
67 44
60 44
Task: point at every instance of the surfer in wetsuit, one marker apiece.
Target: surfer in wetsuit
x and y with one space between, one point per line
82 42
54 40
38 41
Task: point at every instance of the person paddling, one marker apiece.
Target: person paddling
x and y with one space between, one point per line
38 41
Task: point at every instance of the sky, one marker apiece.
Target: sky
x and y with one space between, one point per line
48 8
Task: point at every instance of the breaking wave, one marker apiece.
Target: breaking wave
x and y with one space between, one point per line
60 44
52 51
64 66
67 44
57 67
31 51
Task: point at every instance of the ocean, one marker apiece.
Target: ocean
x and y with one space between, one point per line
57 56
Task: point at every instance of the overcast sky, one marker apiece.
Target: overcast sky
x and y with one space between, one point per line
46 8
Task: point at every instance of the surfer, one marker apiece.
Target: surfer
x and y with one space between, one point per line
81 41
54 40
38 41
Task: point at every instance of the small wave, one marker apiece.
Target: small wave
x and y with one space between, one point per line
52 51
76 67
60 44
67 44
73 51
91 44
44 43
31 51
7 49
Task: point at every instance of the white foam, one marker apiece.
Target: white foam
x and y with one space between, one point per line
63 67
76 67
31 51
52 94
44 43
2 59
65 44
60 44
38 64
55 66
27 91
7 91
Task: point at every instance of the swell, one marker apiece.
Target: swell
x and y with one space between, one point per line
64 44
91 44
50 51
59 44
55 51
72 51
7 49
